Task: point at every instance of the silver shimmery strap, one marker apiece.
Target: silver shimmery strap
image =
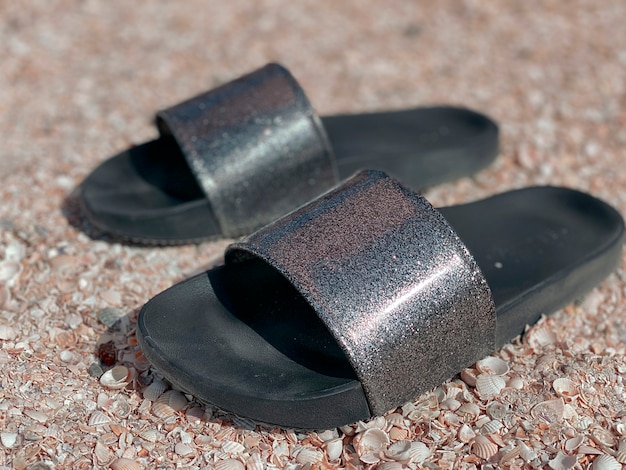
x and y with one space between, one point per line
391 280
256 146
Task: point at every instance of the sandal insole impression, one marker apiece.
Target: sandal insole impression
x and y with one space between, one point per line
241 337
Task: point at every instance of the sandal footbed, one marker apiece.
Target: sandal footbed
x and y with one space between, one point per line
149 193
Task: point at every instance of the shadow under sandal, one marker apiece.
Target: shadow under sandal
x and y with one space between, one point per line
368 296
242 155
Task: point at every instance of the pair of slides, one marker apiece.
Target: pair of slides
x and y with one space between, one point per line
353 296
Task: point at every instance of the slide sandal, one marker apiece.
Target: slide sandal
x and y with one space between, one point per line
242 155
367 297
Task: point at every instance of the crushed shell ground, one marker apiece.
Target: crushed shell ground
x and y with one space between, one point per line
81 81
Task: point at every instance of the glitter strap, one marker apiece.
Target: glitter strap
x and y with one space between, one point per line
256 147
390 279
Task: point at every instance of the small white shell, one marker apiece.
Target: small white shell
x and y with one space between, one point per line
111 296
203 440
369 458
515 382
419 452
483 447
399 451
125 464
195 414
229 464
480 422
379 422
540 336
469 376
497 439
162 409
154 390
509 454
334 448
309 456
66 356
183 449
185 437
390 466
150 435
395 419
371 441
291 436
565 388
450 404
420 412
328 435
7 333
451 419
466 433
175 399
168 403
603 437
492 365
37 415
468 411
233 448
98 418
621 451
546 361
606 462
280 448
588 450
5 358
140 361
5 295
563 462
496 410
109 316
254 462
116 378
8 439
550 411
15 251
574 443
103 401
9 270
569 412
527 453
102 452
489 385
491 427
398 434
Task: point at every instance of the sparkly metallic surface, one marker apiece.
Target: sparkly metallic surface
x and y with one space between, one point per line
256 146
390 279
